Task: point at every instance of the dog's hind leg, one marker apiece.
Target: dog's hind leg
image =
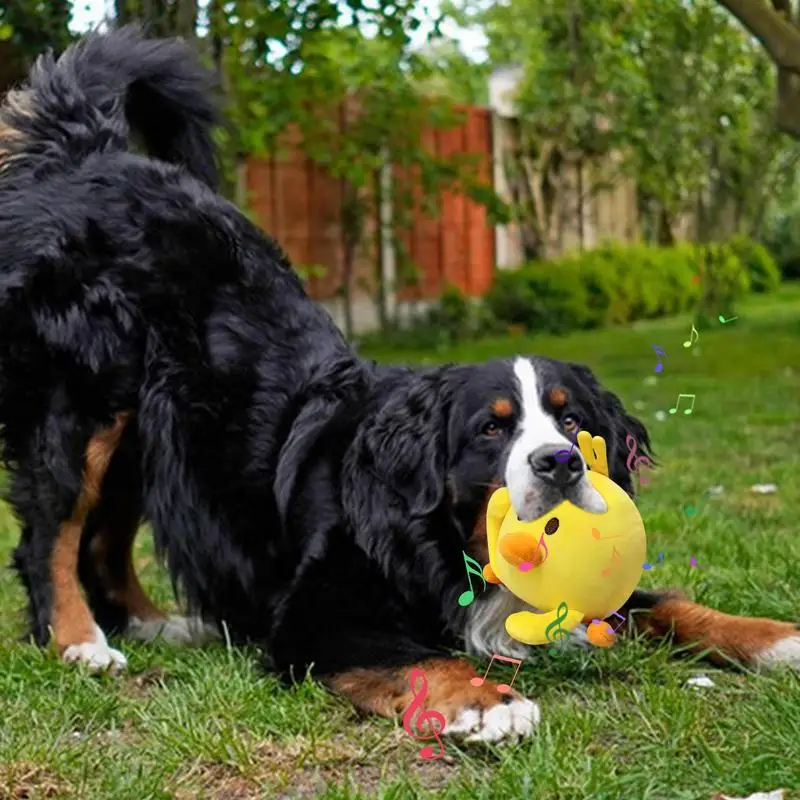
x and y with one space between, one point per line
107 571
723 638
54 496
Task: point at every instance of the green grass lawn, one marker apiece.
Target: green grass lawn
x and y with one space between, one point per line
615 723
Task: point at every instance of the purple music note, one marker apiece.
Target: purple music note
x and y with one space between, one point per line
562 456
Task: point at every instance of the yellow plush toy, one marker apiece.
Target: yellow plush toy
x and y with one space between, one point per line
585 566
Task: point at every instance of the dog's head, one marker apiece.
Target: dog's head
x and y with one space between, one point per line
440 441
515 422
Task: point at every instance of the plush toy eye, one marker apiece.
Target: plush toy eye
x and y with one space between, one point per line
552 526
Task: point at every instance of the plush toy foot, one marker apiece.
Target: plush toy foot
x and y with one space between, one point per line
530 628
489 575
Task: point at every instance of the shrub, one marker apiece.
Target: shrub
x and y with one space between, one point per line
783 241
765 276
615 284
453 317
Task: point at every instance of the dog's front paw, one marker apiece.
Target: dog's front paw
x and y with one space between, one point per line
97 655
509 719
475 708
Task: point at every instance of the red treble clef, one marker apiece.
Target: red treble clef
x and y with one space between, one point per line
424 716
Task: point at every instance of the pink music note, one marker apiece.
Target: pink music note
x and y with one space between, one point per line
501 687
419 695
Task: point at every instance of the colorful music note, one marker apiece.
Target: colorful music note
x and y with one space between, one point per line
614 556
690 511
723 320
562 456
424 716
503 688
527 566
659 353
651 566
467 597
678 403
561 614
693 333
614 614
633 464
596 535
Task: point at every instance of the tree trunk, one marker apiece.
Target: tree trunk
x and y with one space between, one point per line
186 19
665 236
380 270
779 34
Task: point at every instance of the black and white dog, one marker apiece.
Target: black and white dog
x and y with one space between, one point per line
160 360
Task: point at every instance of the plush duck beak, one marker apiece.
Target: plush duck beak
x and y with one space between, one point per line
517 548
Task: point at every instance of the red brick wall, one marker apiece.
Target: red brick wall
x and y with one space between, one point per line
298 203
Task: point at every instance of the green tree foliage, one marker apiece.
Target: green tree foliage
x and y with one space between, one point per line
674 88
344 83
776 24
27 27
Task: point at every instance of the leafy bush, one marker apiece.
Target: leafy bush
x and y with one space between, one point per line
724 280
783 241
765 276
615 284
453 317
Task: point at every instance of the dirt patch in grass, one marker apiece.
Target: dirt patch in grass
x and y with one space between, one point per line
23 780
302 767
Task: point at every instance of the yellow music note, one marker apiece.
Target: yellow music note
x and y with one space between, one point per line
678 403
693 333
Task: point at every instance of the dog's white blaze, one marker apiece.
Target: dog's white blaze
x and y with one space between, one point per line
536 428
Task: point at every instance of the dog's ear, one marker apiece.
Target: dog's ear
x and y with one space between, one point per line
394 472
613 423
402 446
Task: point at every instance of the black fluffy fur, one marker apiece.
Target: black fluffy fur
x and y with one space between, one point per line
316 503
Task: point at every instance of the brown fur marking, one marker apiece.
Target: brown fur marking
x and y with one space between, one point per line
502 407
388 692
17 101
559 397
114 545
71 620
725 635
477 544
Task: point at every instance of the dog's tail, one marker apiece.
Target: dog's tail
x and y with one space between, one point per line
102 88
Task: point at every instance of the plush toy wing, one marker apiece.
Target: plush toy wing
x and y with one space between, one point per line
593 450
496 510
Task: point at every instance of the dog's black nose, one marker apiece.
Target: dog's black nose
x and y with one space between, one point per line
557 472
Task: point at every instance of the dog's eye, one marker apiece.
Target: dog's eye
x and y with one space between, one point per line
570 423
492 428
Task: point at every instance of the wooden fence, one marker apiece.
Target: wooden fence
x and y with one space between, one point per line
299 204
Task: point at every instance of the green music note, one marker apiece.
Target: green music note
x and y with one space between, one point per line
465 598
562 612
